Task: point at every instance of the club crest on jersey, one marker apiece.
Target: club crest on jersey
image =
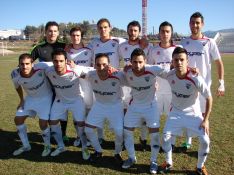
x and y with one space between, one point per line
95 81
173 82
40 74
147 79
204 43
113 83
113 44
86 53
158 52
97 45
25 82
187 42
54 76
188 85
126 48
70 77
131 78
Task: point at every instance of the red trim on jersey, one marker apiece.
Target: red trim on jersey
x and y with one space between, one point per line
202 38
148 72
171 45
111 76
187 78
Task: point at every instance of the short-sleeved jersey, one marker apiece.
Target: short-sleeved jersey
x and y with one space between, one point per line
35 86
67 86
162 57
126 49
185 91
143 86
107 91
201 53
82 56
109 47
43 50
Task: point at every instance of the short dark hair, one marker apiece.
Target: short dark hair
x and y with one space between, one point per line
77 28
103 20
197 15
134 23
137 52
179 50
99 55
51 23
166 23
24 56
59 52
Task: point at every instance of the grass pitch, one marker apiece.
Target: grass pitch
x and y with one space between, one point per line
220 159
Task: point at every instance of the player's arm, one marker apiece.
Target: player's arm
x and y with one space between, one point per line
20 93
205 122
220 71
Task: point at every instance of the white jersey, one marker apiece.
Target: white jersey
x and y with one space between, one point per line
201 53
67 87
143 87
35 86
162 57
185 92
109 47
126 49
82 56
107 91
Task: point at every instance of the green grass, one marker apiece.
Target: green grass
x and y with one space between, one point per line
220 159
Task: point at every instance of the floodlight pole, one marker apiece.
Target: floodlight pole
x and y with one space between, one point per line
144 17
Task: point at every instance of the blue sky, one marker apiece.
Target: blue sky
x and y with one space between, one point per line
17 14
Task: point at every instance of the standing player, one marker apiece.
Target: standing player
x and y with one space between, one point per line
125 50
202 51
82 56
43 51
68 98
31 80
141 79
108 105
185 112
162 55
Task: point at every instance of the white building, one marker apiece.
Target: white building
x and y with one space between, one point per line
5 34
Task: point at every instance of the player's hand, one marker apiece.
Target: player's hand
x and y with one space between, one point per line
71 63
205 126
127 67
194 70
110 69
143 42
68 47
221 89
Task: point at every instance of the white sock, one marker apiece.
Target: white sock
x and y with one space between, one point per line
57 134
189 140
83 137
155 145
144 131
22 132
46 136
203 150
129 143
91 135
118 140
100 133
167 147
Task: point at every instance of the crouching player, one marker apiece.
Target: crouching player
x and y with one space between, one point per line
68 97
32 80
185 112
106 86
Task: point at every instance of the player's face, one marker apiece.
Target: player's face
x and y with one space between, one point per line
60 64
180 62
133 33
26 66
76 37
196 25
165 34
104 30
138 64
101 66
52 34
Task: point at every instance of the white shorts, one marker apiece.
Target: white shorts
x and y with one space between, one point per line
177 122
164 103
111 112
87 93
202 103
59 110
138 113
36 106
126 96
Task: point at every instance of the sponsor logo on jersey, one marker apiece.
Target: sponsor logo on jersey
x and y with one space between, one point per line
113 83
188 85
103 93
141 88
62 87
81 61
37 86
195 53
178 95
147 79
113 44
108 53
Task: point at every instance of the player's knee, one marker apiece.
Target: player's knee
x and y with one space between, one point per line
204 144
